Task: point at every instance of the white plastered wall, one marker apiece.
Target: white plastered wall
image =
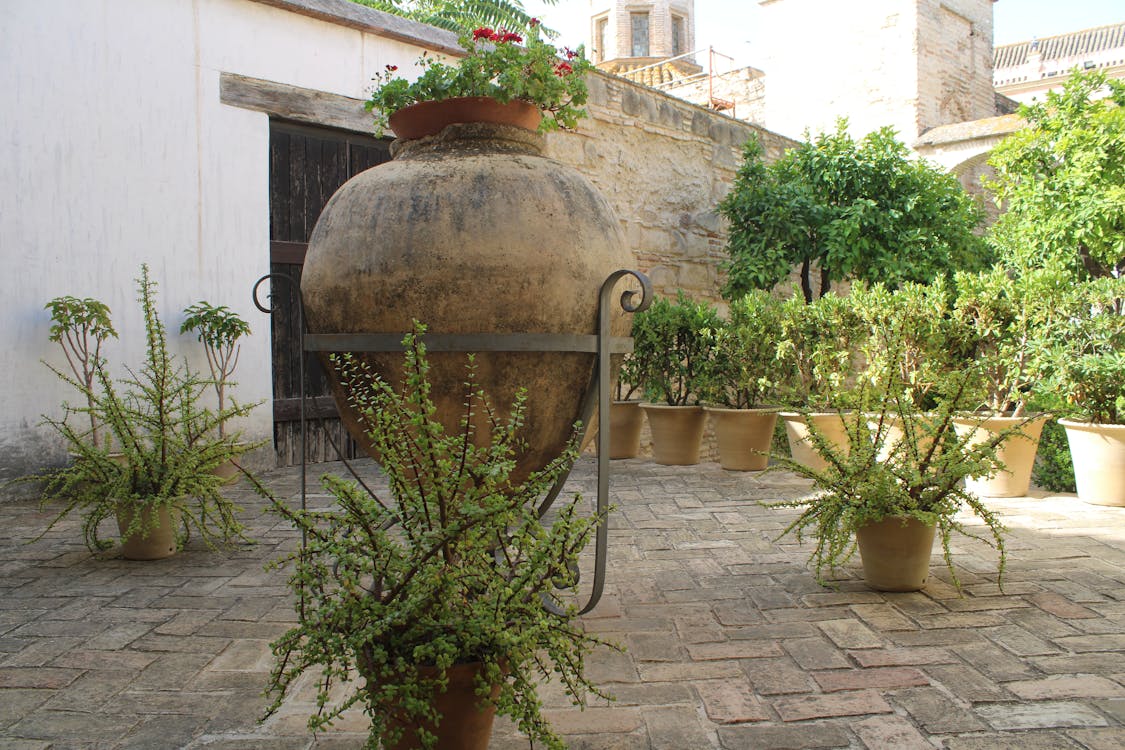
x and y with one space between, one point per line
117 151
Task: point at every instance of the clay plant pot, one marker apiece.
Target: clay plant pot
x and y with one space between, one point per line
159 543
1016 452
471 231
677 433
430 118
744 437
894 433
895 553
466 721
625 422
830 424
1098 452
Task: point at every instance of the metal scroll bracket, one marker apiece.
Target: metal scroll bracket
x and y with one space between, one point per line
603 345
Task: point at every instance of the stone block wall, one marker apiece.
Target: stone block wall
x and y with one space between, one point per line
745 87
664 165
954 62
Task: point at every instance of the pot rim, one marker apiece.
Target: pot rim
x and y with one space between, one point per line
751 410
686 407
1092 426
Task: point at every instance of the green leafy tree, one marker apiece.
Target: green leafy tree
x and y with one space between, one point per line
1063 181
459 15
846 210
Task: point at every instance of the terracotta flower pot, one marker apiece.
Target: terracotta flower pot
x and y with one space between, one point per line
744 437
895 553
430 118
830 424
160 542
1017 452
625 422
472 231
1098 452
466 721
677 433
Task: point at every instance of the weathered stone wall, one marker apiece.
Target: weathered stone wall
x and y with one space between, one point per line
954 62
664 165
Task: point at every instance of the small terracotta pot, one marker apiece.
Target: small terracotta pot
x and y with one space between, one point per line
895 553
1098 452
677 433
830 424
465 724
1017 452
744 437
430 118
159 543
625 422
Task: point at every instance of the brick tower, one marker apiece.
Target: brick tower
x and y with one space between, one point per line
626 35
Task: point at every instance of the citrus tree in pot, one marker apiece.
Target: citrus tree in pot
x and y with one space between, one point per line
740 378
1090 375
436 595
153 468
815 351
892 507
671 340
625 416
1007 321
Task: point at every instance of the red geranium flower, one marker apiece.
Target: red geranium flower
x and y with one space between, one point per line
483 33
563 69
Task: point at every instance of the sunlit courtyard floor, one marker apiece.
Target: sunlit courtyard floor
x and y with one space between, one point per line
729 641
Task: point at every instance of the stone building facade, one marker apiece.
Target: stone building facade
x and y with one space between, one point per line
1028 70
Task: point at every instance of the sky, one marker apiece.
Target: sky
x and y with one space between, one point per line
729 25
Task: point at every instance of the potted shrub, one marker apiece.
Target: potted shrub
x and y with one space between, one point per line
435 596
892 509
740 377
1007 321
80 327
815 349
154 469
1090 375
218 329
625 416
670 339
906 340
502 78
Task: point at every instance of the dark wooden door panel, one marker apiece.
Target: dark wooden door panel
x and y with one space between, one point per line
307 165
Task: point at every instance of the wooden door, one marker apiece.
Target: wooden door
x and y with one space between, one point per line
307 165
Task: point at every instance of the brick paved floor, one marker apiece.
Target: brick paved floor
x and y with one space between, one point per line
730 642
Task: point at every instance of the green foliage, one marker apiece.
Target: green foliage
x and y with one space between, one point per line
629 379
80 327
671 342
460 15
161 448
456 569
920 477
856 211
218 329
1054 468
496 66
741 372
815 352
1088 354
907 338
1008 323
1062 179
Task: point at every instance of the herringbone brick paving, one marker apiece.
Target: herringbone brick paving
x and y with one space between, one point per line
730 643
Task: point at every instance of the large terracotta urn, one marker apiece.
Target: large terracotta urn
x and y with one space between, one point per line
470 231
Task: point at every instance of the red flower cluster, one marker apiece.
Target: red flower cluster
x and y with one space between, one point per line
563 69
500 37
570 54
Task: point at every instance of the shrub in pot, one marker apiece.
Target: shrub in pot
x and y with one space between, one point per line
1090 375
154 467
815 353
440 586
625 416
739 380
892 508
906 340
671 342
1007 322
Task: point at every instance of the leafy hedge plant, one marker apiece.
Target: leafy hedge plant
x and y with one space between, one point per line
671 343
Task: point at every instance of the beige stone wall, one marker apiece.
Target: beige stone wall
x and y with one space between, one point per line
954 62
664 165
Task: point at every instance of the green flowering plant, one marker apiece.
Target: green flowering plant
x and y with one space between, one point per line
496 66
